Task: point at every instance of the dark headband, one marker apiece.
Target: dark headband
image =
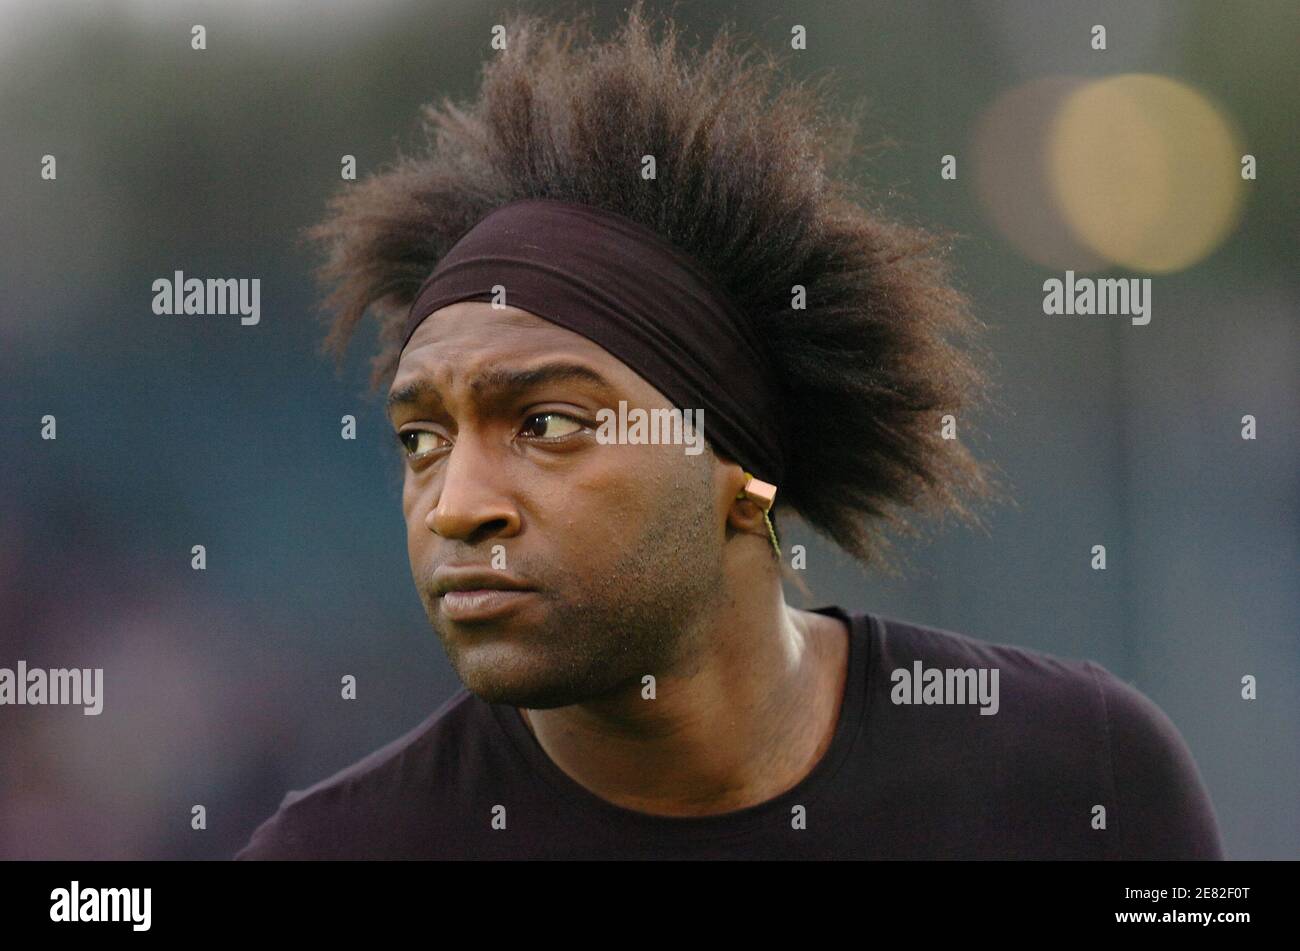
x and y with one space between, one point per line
630 290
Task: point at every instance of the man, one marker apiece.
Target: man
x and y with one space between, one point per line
635 684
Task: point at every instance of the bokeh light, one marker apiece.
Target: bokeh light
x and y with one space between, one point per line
1012 180
1146 171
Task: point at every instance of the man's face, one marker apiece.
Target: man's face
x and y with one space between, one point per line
620 545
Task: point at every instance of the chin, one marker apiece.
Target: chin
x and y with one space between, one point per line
499 674
530 695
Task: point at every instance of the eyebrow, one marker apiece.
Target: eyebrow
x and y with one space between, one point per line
500 380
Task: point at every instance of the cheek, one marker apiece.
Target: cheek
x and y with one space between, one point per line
585 519
598 516
413 514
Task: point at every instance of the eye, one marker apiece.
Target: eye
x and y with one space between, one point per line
418 441
550 426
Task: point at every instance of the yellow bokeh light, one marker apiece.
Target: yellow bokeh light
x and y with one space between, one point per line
1146 171
1011 175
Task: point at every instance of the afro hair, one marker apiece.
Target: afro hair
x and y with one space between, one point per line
751 182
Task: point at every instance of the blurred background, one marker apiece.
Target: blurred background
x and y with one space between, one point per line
222 686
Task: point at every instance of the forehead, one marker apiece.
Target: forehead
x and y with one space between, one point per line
462 341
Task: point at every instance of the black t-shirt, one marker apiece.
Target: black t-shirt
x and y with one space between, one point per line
1074 764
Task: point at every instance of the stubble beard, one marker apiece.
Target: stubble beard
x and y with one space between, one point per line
608 628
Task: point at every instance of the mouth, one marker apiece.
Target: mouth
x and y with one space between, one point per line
476 593
482 604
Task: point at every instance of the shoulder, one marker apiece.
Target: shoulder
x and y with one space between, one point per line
1164 809
1069 723
326 819
1031 679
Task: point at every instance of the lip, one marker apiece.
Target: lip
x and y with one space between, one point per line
483 604
476 594
469 578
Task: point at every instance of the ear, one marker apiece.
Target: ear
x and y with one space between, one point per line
751 499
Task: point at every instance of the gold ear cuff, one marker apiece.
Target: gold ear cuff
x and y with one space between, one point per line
762 494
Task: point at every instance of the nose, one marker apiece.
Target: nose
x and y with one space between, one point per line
472 504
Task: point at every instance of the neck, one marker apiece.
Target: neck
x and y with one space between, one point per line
749 719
